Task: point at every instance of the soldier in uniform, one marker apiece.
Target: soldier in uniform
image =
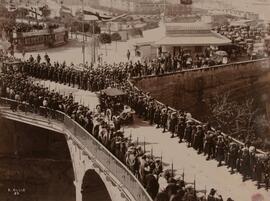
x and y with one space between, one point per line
198 140
267 173
151 112
38 58
157 116
173 123
258 170
164 118
233 155
245 163
220 150
181 130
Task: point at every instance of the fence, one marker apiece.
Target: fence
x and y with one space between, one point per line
90 144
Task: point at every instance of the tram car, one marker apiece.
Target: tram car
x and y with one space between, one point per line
14 65
186 2
41 39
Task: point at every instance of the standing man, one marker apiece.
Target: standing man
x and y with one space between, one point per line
128 55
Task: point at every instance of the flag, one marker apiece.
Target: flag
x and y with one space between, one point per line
86 12
65 9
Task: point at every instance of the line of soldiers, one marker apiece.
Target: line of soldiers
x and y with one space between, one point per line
213 144
103 125
91 79
201 137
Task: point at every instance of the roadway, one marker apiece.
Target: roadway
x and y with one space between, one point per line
185 159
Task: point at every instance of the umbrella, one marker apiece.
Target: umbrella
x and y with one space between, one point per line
221 53
113 92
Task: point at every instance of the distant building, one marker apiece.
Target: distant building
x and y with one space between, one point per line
173 37
135 6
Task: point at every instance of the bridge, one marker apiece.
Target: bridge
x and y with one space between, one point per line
90 159
89 156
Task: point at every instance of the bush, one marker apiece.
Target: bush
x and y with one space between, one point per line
105 38
115 36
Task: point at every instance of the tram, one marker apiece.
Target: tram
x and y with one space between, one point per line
40 39
186 2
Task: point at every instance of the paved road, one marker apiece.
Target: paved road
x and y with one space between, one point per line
72 52
185 159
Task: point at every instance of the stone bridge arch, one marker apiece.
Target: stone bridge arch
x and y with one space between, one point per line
93 188
88 173
86 153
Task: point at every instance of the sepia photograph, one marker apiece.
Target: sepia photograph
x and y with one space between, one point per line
134 100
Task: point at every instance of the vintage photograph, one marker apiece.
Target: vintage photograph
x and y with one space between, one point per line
134 100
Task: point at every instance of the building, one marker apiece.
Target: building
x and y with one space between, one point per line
173 37
134 6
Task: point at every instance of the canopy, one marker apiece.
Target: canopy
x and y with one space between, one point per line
113 92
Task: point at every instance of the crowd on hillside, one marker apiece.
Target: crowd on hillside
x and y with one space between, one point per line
201 137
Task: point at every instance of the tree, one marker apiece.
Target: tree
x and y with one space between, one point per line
135 33
105 38
236 119
45 10
116 37
22 12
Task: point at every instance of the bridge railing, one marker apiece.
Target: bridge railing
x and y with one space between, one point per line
197 121
90 144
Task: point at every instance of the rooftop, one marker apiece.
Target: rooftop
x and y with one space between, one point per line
183 34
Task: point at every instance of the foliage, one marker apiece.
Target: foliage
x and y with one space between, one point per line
105 38
237 119
116 36
22 12
135 32
45 10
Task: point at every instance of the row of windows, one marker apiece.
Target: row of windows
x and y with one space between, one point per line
39 39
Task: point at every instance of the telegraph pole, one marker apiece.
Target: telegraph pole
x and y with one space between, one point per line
83 44
94 44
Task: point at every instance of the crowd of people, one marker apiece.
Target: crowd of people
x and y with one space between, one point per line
104 124
245 37
215 145
23 27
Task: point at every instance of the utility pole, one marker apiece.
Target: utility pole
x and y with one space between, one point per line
94 43
83 43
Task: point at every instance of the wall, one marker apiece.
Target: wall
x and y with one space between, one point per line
193 90
30 141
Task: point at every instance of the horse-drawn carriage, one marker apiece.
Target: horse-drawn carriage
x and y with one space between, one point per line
114 98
